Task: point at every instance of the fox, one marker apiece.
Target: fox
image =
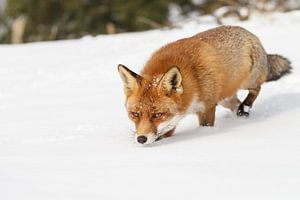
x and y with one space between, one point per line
193 75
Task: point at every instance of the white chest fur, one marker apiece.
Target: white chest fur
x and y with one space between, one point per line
196 106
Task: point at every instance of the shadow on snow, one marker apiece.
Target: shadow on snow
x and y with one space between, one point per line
264 109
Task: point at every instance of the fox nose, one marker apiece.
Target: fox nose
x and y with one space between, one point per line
141 139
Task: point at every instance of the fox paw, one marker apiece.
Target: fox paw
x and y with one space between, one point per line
207 124
243 111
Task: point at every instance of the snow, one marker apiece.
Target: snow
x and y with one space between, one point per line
64 132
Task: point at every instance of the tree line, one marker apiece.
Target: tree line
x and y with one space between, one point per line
40 20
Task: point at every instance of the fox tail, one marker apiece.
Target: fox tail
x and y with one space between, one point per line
278 67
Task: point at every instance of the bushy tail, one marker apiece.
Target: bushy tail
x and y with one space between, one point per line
278 67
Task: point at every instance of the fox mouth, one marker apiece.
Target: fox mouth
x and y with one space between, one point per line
160 135
159 138
163 131
154 137
168 126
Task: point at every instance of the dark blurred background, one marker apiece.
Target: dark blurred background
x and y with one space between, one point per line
40 20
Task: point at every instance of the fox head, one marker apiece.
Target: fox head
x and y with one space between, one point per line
152 103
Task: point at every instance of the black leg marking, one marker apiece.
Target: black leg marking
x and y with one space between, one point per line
241 110
248 102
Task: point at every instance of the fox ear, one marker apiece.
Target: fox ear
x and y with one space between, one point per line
130 79
171 81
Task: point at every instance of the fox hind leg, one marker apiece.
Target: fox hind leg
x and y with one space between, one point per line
244 108
231 103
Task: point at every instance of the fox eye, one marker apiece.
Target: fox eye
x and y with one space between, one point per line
157 115
135 114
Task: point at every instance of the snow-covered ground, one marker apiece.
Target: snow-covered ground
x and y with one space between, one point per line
64 133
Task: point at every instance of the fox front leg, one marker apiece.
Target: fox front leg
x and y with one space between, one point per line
207 117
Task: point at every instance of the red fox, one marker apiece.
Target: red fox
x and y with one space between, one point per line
193 75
